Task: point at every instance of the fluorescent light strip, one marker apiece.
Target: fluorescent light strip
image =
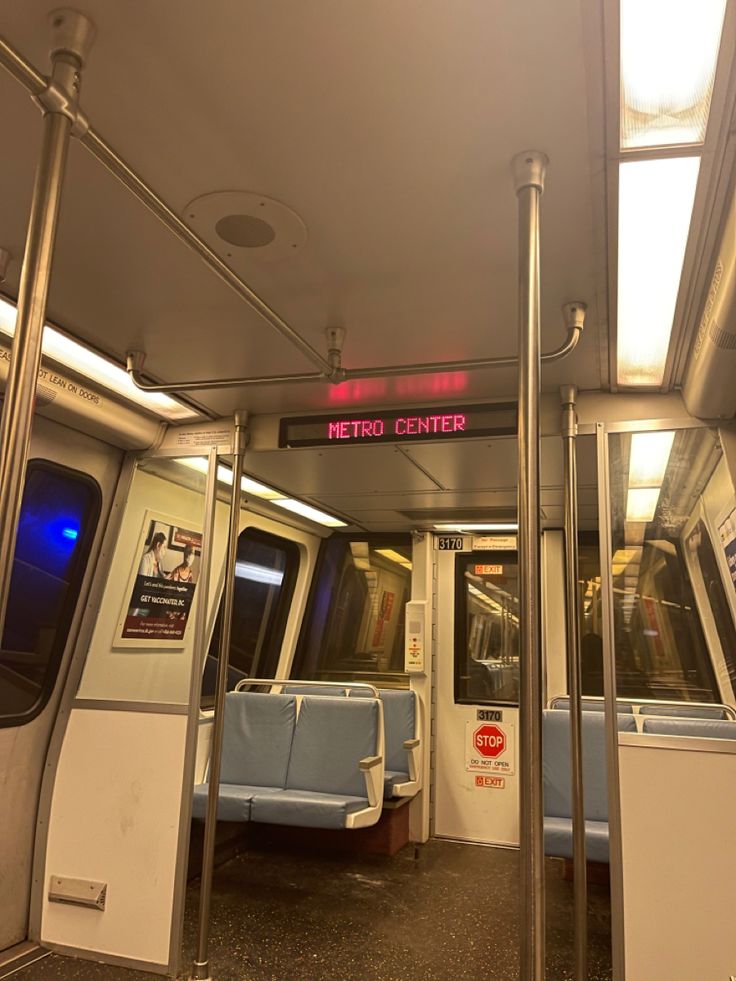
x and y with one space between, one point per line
473 526
650 454
655 206
394 556
115 379
669 50
257 489
307 511
225 476
641 503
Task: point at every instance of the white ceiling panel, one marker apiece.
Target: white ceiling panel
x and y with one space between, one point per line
343 470
400 174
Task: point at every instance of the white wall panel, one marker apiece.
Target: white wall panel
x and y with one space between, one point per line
679 859
115 818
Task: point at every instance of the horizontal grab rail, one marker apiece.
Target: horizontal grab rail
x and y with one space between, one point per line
310 684
643 702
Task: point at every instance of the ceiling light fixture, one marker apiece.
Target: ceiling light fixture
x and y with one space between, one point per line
649 456
655 206
669 52
266 493
477 526
98 369
394 556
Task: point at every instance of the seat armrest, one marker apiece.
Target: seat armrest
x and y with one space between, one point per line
372 769
411 743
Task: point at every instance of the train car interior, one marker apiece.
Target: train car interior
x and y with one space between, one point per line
367 508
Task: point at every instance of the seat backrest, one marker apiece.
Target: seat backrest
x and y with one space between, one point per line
258 732
708 728
685 711
590 705
313 690
399 722
557 769
332 736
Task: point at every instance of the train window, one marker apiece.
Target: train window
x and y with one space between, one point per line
59 514
701 549
591 637
487 628
265 575
656 478
354 629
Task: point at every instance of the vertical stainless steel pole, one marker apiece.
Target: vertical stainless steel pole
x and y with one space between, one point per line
73 36
201 967
529 171
568 395
615 835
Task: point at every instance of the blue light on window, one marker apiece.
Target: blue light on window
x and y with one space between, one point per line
71 533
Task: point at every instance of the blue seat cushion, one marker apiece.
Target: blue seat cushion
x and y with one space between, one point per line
304 808
391 778
703 728
556 763
257 735
233 801
332 736
399 724
685 711
591 705
558 839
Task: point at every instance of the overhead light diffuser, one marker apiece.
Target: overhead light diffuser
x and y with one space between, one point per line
476 526
394 556
225 476
669 50
655 205
307 511
104 373
641 503
257 489
650 454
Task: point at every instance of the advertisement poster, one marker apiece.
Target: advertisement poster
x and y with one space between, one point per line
162 586
727 534
490 748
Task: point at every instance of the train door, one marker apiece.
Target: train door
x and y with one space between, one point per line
69 486
476 789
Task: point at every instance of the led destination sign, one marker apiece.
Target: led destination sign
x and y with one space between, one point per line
400 425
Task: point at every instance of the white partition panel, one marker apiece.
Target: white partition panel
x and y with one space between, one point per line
115 819
678 799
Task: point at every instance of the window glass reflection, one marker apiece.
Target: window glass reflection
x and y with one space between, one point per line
657 479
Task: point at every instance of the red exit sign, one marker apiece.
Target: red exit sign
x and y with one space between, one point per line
432 423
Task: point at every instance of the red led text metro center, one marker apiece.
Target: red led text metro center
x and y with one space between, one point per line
430 423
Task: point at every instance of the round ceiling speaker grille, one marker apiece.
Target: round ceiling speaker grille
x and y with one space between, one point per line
241 226
245 231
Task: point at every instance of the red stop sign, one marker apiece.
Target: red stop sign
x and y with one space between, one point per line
489 741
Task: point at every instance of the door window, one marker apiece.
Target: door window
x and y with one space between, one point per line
487 628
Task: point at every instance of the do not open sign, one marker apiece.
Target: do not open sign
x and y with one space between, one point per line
490 748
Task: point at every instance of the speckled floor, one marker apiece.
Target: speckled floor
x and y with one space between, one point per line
449 914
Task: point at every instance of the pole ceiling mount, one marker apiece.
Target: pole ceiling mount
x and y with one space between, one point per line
71 33
529 169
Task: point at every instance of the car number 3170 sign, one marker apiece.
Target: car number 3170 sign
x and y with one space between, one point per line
489 747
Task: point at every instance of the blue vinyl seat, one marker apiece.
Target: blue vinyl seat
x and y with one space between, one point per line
685 711
701 728
256 745
558 782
